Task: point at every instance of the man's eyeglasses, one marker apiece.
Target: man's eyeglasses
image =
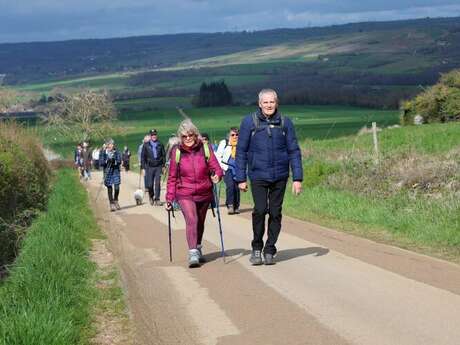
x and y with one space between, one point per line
234 134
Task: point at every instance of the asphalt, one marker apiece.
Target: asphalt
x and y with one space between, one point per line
326 287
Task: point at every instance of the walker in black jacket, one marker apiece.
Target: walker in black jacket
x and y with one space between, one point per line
153 163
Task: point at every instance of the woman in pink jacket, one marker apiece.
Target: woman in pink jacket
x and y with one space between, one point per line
192 171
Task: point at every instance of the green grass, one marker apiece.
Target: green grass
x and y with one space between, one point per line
409 223
155 102
49 295
426 139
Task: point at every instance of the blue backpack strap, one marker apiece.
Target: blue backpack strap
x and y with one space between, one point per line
256 122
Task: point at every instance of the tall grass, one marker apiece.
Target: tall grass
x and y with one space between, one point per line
46 299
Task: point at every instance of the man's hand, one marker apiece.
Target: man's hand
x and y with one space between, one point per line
296 187
168 206
243 186
215 179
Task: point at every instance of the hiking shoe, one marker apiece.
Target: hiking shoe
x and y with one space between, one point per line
200 251
236 211
151 201
158 203
230 210
117 205
112 207
256 258
269 259
193 258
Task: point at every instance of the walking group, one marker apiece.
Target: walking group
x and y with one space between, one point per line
263 151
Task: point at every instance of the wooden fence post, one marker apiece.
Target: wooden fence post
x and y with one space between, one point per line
376 144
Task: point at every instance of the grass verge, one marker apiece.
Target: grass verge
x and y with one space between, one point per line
49 296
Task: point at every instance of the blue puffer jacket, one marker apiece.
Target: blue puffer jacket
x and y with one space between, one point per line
268 151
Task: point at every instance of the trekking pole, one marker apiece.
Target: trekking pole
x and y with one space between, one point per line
217 199
171 211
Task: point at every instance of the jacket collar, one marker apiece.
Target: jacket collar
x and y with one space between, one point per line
195 147
275 119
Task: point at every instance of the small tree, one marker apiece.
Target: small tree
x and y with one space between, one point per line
438 103
8 98
81 116
213 94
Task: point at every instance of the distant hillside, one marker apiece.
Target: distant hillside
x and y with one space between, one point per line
412 46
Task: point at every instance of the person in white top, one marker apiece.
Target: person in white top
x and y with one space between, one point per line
95 156
225 154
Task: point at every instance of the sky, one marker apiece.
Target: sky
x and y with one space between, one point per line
52 20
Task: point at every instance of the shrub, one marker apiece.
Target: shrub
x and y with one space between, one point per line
316 172
439 103
24 185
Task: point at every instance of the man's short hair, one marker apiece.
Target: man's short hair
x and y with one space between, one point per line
267 91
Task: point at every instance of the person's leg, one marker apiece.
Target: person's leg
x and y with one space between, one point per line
149 176
110 193
157 181
275 203
189 211
236 192
115 198
117 192
228 189
202 210
259 191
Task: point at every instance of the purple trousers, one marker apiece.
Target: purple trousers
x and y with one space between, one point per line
195 214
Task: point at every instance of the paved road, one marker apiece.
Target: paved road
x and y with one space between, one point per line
327 287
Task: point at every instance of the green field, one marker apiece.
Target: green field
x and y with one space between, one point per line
312 122
119 82
112 81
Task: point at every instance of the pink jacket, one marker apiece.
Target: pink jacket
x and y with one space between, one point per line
190 179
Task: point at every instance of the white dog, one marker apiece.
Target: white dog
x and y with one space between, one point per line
139 196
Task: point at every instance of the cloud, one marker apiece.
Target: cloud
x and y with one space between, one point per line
45 20
315 18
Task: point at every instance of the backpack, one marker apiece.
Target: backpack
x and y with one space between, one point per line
256 122
207 154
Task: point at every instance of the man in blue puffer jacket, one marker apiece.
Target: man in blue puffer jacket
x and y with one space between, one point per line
267 147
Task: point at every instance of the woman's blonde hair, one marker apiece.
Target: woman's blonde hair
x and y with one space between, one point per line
187 127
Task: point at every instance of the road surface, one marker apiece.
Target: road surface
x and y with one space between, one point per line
326 288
